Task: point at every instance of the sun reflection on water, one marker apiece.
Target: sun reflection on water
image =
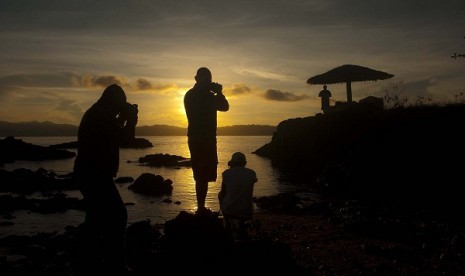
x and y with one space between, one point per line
153 208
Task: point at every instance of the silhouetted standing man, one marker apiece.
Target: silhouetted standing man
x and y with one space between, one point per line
105 126
201 104
324 94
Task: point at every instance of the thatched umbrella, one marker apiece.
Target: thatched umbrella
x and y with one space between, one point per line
349 73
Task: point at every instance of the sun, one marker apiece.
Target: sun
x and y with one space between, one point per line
181 114
180 110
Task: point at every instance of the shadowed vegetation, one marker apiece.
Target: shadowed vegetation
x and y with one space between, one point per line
407 156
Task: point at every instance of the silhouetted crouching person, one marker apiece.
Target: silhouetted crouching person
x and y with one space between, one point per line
236 194
201 104
105 126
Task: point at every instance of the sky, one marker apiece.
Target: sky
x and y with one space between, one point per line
56 57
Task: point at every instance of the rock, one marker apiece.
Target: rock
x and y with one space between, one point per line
151 184
16 149
26 181
167 160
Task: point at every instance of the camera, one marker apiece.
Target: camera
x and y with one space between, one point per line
216 87
129 112
132 108
129 109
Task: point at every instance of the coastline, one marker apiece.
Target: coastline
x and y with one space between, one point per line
373 220
325 238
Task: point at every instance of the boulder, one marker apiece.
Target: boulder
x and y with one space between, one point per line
151 184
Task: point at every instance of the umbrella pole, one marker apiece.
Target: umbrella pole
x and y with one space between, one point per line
349 92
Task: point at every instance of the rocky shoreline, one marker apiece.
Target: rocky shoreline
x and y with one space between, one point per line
320 238
390 204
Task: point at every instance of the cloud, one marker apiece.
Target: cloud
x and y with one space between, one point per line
41 104
263 74
105 81
165 87
251 44
101 81
36 80
143 84
146 85
70 107
238 89
4 92
277 95
140 84
97 81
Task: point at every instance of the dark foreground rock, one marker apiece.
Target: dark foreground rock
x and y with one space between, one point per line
323 241
25 181
319 238
190 243
54 203
200 244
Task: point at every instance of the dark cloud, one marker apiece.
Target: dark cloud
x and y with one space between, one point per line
238 89
245 15
105 81
143 84
276 95
395 12
62 80
98 81
165 87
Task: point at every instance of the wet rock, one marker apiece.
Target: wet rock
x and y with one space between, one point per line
166 160
26 181
16 149
151 184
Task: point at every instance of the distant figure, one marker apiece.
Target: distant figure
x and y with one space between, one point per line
236 193
324 94
105 126
201 104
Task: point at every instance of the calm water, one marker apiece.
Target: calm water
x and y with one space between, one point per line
150 207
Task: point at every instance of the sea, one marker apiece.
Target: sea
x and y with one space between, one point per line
156 209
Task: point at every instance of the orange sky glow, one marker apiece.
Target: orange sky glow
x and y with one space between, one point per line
56 57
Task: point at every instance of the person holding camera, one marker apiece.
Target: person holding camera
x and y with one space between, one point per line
106 126
201 103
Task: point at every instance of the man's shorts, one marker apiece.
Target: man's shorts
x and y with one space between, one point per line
204 159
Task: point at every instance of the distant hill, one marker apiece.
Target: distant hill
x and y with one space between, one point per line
24 129
36 129
236 130
160 130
